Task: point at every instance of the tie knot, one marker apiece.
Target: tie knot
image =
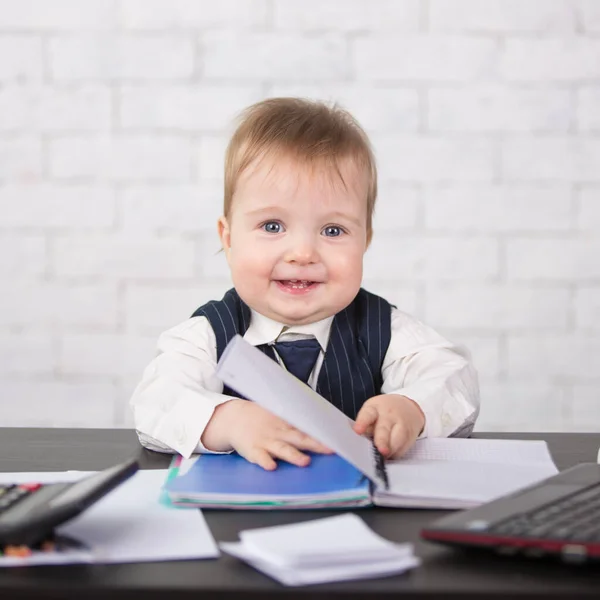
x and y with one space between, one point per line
299 356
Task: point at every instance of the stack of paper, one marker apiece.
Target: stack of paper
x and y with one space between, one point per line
331 549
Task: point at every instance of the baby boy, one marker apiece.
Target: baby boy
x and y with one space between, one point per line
299 197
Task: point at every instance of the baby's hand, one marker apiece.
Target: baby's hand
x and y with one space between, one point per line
394 421
259 436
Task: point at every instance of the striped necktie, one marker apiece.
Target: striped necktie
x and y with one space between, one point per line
299 356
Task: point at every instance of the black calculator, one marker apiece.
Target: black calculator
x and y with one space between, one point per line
30 512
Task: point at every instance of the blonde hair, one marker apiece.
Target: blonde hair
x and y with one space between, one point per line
309 131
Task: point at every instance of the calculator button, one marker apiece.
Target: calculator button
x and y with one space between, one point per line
30 487
4 490
12 496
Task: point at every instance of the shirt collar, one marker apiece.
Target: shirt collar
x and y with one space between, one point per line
263 330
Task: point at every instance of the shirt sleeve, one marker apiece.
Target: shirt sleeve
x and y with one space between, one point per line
179 390
435 373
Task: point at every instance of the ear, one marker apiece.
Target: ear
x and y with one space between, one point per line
224 234
368 239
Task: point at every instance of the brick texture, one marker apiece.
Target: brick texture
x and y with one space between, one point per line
485 121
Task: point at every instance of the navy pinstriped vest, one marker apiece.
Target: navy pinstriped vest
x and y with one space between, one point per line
359 339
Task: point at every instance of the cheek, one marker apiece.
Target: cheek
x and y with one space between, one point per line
247 257
347 264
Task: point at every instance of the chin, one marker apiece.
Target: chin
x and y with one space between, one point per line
303 317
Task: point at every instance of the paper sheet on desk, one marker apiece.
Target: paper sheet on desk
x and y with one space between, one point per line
336 548
129 524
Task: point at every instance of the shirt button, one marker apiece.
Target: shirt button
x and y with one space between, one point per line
446 420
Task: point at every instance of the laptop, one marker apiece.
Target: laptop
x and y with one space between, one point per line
558 517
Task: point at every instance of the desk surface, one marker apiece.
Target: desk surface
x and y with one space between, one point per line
445 573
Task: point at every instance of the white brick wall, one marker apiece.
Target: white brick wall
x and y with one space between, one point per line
433 159
59 306
183 107
495 108
556 159
498 208
124 257
274 56
28 108
20 158
502 16
56 206
355 16
591 14
424 58
121 158
57 15
121 57
566 59
20 56
158 15
589 210
485 118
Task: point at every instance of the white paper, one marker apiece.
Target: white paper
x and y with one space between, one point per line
329 549
43 476
129 524
461 473
254 375
463 484
341 539
508 452
323 574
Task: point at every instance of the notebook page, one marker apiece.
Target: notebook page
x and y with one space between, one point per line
509 452
451 483
254 375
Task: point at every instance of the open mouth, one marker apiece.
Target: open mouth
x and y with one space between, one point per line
297 285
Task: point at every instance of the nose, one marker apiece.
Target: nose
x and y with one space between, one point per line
302 250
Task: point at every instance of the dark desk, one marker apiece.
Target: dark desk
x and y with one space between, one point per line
444 574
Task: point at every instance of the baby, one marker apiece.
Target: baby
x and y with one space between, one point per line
300 191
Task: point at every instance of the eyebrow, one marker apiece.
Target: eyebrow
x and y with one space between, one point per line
333 216
266 209
338 215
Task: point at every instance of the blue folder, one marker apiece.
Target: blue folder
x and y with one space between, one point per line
230 481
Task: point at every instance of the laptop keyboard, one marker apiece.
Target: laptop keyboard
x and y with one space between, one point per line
573 518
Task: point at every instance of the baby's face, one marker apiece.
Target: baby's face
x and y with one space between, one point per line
295 240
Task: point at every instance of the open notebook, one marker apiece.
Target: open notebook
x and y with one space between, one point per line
436 473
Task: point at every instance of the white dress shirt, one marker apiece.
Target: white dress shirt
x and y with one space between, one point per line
179 390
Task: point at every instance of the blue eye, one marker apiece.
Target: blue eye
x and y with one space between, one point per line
272 227
333 231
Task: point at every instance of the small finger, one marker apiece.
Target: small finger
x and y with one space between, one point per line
366 417
381 436
399 440
409 441
287 452
260 457
304 442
